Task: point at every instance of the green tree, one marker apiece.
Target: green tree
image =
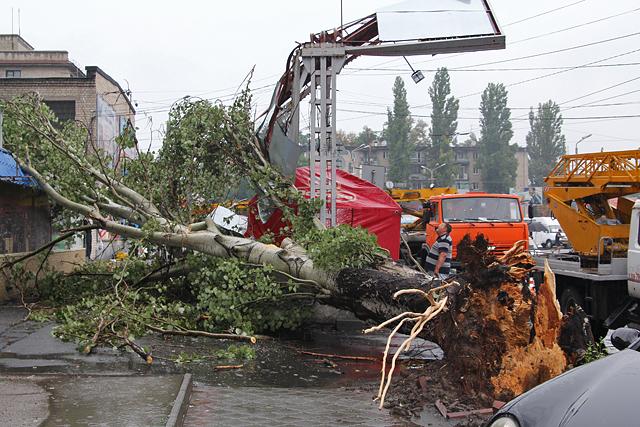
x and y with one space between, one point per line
545 141
397 134
496 155
419 136
444 116
346 139
366 136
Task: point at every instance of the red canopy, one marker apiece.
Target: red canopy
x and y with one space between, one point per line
359 203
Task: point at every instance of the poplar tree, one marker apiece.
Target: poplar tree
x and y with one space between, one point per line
497 157
397 132
545 141
444 116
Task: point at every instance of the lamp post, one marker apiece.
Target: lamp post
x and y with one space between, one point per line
359 147
581 139
431 171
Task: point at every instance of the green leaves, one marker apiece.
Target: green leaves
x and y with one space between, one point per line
342 247
545 141
397 134
243 299
497 156
444 124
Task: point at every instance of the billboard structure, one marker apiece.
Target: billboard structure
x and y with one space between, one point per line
412 27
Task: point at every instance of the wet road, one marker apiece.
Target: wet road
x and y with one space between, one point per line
281 386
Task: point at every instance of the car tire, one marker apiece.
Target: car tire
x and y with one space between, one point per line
548 244
571 296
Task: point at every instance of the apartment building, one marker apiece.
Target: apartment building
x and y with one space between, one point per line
89 96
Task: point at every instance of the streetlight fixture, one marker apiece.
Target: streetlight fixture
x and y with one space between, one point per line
582 139
431 171
416 75
359 147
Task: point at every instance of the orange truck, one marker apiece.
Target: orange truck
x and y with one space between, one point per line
497 216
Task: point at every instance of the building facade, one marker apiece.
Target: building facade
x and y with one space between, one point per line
91 97
468 172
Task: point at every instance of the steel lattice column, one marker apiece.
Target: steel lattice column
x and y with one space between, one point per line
323 62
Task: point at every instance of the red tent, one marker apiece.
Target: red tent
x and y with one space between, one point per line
359 203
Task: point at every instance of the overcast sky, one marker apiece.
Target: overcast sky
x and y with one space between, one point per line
163 50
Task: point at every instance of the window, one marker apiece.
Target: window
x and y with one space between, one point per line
474 186
384 154
13 74
475 155
500 209
63 110
476 170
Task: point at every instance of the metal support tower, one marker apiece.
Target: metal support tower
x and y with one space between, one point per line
322 63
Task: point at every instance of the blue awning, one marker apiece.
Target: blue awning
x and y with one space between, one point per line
12 173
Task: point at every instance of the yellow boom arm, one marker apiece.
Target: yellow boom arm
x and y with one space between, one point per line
579 190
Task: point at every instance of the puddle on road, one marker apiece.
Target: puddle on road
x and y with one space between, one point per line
278 362
281 363
110 401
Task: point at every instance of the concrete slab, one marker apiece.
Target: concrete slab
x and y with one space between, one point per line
40 342
23 402
11 362
111 401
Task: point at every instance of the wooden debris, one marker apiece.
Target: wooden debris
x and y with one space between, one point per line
461 414
441 408
422 380
497 404
226 367
465 414
339 356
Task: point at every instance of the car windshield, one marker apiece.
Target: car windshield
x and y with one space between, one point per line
481 209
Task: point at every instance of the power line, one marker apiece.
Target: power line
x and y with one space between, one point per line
483 70
620 116
573 27
616 104
604 99
223 98
543 13
551 52
555 73
601 90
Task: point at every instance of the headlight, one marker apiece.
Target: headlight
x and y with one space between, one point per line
505 421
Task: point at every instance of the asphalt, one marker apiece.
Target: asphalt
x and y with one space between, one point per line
44 381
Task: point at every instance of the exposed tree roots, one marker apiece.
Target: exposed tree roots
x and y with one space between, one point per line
499 338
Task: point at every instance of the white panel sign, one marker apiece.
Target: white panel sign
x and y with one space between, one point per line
434 19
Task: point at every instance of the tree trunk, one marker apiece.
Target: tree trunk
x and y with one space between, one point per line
498 337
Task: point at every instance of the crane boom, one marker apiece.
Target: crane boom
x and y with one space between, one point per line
580 192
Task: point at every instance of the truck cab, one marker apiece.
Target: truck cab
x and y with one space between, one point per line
633 257
497 216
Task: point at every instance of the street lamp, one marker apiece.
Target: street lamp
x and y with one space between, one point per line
359 147
431 171
581 139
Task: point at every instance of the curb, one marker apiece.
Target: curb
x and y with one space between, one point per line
180 405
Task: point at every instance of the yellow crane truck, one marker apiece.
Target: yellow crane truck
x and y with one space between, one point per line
592 197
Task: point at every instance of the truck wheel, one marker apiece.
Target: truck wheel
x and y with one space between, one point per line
571 296
548 244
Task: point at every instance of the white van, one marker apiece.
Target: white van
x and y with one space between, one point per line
546 232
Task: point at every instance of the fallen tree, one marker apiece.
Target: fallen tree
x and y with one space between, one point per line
497 337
